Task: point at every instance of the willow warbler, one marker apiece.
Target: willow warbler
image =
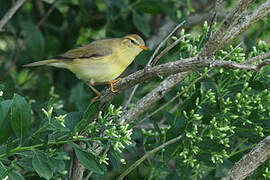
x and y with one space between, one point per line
100 61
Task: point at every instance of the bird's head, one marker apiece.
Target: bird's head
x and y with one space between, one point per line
134 42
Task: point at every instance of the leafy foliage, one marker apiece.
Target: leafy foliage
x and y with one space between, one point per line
46 114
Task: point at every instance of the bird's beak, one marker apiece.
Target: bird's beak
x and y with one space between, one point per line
143 47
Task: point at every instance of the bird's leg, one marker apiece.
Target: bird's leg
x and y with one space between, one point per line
112 83
91 85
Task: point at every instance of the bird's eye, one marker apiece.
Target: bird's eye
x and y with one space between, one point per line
132 41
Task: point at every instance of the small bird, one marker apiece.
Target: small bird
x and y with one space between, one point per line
100 61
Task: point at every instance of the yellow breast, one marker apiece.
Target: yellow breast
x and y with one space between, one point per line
101 70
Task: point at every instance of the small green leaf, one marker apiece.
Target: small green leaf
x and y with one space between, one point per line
141 23
5 127
169 9
15 176
3 171
89 161
79 96
73 119
41 165
20 115
57 165
36 44
91 111
89 114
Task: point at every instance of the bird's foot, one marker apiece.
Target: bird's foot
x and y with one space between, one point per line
112 84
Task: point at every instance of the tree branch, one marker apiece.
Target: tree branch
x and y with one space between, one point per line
189 64
218 4
152 97
10 13
166 50
180 93
235 23
77 168
251 161
256 58
151 72
215 42
246 21
149 63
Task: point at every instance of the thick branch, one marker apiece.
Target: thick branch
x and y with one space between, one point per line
189 64
251 161
152 97
215 43
77 167
246 21
156 71
10 13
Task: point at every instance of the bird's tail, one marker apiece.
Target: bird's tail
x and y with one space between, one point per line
51 62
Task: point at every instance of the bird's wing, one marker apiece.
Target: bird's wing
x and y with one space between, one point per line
94 50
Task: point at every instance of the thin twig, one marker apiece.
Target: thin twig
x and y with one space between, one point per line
163 42
232 51
166 50
10 13
41 22
131 96
256 58
261 65
138 162
150 61
213 19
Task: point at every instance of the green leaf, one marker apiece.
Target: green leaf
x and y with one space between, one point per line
169 9
149 7
89 161
73 119
5 127
89 114
41 165
57 165
20 115
3 171
15 176
91 111
26 163
36 44
141 23
79 96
